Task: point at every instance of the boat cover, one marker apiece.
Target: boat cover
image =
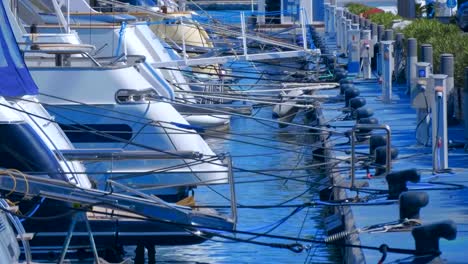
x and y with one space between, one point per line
15 79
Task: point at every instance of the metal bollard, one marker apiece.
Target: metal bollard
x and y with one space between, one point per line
380 32
387 70
439 124
411 60
367 52
426 54
354 36
388 34
347 14
447 68
398 53
421 100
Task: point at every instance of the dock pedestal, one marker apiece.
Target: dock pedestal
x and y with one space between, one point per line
439 124
420 99
387 70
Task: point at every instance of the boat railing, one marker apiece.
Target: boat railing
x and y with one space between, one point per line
74 55
230 177
356 128
119 154
40 186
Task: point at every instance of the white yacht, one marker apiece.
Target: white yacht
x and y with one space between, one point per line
119 36
111 100
40 180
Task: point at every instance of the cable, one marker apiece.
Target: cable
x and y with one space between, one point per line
423 119
8 172
175 102
152 148
34 210
39 218
295 246
153 124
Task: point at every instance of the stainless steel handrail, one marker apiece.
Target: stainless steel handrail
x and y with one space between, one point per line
388 165
59 52
112 154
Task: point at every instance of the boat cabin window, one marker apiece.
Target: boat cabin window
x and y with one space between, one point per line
97 133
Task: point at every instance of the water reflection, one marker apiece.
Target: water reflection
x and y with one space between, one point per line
261 146
283 152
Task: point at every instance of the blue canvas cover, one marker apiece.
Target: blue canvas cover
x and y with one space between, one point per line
15 79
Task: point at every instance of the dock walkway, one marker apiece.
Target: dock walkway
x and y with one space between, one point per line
443 204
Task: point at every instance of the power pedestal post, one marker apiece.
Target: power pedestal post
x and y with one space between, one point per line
348 23
373 27
439 124
447 67
339 25
354 39
421 100
339 17
344 28
380 37
387 70
367 53
362 22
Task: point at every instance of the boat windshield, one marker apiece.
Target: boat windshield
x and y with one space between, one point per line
21 149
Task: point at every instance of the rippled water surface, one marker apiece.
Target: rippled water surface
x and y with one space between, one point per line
283 151
259 145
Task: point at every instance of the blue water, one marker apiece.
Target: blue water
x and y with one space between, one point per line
306 224
249 155
225 17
